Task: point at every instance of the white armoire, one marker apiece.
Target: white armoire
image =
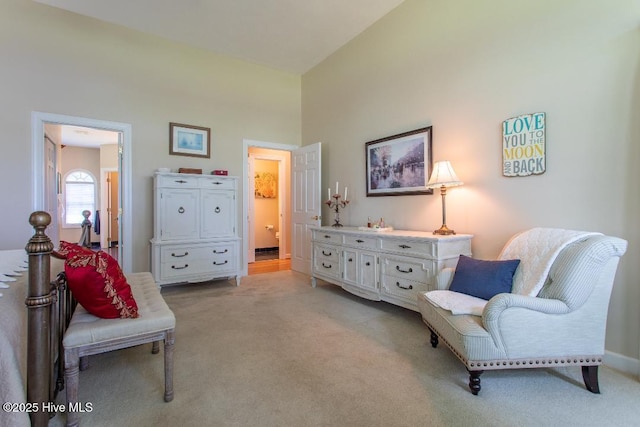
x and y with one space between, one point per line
195 228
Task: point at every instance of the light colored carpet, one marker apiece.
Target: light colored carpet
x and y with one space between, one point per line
277 352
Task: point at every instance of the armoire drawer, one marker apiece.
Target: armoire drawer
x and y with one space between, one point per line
177 181
217 183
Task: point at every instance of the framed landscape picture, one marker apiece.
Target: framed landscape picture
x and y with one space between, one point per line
187 140
400 164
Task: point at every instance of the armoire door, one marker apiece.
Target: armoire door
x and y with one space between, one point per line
217 214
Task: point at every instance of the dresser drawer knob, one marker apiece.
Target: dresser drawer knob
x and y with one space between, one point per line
404 287
350 259
367 264
181 210
220 263
179 256
217 209
326 236
326 266
180 268
326 254
404 246
359 241
215 251
410 270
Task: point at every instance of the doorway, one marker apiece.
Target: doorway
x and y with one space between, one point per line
40 181
272 162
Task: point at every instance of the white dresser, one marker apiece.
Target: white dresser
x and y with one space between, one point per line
390 266
195 231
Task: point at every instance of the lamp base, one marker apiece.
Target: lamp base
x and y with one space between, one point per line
444 230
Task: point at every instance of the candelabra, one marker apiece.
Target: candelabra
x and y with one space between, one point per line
336 204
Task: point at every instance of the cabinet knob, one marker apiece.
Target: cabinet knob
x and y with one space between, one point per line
326 254
180 209
359 241
367 263
405 246
350 259
217 209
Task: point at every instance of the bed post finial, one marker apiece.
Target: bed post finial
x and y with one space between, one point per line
39 300
39 242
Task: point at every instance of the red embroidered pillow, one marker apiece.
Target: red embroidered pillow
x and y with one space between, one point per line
97 283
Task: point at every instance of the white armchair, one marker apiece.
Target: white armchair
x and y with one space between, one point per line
561 324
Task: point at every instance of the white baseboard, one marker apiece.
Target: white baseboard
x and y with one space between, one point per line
622 363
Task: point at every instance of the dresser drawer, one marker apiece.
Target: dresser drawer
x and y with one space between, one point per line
326 253
326 268
408 268
217 183
327 237
177 181
363 242
404 289
409 247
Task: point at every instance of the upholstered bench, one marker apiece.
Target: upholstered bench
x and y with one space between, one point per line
89 335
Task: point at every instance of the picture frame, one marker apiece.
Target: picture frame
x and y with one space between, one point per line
188 140
399 165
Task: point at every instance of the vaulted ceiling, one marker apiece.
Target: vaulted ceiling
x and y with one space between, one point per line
289 35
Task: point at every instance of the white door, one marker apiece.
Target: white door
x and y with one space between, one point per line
305 203
51 188
251 234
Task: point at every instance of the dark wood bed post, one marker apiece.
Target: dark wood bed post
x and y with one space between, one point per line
39 300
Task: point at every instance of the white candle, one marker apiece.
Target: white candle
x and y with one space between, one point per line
337 187
329 191
345 193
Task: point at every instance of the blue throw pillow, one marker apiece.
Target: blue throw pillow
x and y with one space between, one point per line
483 279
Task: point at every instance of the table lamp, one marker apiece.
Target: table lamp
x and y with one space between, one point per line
443 176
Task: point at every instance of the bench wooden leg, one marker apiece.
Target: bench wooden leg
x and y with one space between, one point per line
84 363
155 349
72 377
168 365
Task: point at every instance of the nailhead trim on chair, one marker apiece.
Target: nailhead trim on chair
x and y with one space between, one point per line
519 363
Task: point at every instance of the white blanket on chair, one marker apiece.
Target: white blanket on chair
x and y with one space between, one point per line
537 249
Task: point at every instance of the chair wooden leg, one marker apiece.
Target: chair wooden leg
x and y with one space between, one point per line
84 363
71 378
168 365
434 339
474 381
590 377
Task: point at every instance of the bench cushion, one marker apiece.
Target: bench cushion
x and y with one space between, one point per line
154 316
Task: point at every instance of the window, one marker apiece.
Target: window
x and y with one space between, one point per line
79 195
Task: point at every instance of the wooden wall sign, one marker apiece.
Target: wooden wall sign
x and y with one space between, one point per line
523 145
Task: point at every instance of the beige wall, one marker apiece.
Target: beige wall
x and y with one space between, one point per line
59 62
463 67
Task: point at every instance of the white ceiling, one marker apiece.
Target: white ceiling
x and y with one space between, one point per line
86 137
289 35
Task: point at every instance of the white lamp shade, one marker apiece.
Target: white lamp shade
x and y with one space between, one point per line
443 175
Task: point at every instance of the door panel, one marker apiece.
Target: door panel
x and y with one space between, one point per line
306 203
